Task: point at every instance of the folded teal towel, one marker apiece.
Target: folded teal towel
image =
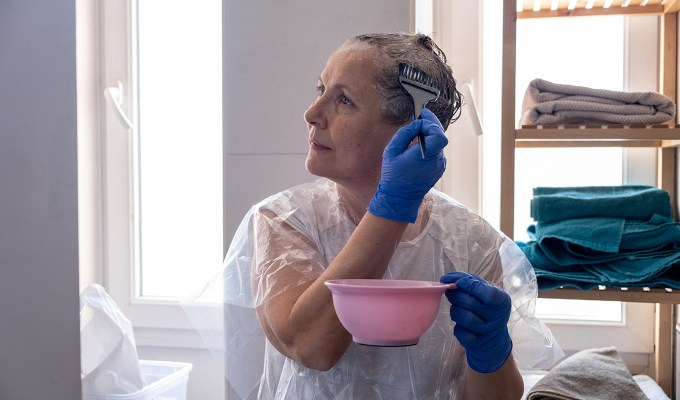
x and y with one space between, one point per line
659 270
632 202
587 252
603 239
601 234
586 281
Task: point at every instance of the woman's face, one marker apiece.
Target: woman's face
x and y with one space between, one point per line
347 133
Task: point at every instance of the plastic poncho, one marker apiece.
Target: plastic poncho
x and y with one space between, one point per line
308 226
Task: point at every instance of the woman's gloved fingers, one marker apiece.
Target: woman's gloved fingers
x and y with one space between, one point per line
427 115
403 138
434 144
405 176
429 125
478 288
477 322
483 291
435 136
452 277
485 312
470 321
466 337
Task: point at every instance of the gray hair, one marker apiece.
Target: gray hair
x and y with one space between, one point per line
421 52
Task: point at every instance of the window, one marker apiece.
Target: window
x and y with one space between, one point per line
161 65
178 179
561 58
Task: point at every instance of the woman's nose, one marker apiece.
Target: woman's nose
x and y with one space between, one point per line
315 115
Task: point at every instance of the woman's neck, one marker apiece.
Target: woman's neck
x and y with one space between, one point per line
355 200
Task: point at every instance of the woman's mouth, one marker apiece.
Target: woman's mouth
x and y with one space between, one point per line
316 146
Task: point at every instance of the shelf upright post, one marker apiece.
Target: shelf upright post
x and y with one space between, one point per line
507 223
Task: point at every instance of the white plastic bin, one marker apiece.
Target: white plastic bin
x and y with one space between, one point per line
163 380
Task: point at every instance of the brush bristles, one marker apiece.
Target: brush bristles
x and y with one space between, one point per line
414 74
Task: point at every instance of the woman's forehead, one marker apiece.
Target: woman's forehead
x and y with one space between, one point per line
349 67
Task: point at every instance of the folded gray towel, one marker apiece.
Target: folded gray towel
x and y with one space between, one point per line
593 374
547 103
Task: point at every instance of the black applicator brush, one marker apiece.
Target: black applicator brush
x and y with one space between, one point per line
422 88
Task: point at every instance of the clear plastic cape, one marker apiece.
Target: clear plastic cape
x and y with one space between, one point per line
308 225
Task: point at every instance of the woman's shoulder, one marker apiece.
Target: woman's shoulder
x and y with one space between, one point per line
307 207
455 218
299 196
443 203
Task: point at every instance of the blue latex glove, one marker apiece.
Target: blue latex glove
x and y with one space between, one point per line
406 176
481 312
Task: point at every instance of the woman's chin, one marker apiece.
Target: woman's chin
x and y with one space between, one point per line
313 168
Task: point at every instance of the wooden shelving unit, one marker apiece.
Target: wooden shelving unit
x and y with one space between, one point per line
665 138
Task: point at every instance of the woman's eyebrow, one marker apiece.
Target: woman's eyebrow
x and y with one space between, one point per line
344 88
341 87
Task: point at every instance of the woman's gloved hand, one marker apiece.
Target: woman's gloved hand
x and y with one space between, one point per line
407 176
481 312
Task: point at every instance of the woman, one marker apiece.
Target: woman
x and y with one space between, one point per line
374 214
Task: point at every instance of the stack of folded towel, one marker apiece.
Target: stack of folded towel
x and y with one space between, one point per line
591 374
548 103
620 236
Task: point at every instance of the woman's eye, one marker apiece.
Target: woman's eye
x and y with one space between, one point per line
320 90
346 100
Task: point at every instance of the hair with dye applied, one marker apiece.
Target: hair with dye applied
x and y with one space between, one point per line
419 51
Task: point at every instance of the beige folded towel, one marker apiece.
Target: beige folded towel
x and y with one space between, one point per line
547 103
593 374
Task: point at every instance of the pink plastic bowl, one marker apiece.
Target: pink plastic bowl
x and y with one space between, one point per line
382 312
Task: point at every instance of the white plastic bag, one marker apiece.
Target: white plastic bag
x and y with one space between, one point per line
109 360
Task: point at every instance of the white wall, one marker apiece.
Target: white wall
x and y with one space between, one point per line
274 52
39 324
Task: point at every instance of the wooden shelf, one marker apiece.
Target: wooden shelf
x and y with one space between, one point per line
659 136
567 8
664 138
633 295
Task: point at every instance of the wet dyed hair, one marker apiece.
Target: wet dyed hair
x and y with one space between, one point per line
421 52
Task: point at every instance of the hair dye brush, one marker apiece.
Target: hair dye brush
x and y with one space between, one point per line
422 88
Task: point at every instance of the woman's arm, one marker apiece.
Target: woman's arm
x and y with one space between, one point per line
481 312
506 383
301 322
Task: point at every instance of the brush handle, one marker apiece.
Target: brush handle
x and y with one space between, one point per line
419 106
421 142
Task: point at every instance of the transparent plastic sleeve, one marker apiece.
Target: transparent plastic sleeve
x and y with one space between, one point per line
290 238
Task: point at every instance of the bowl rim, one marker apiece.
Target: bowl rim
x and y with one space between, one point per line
363 283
